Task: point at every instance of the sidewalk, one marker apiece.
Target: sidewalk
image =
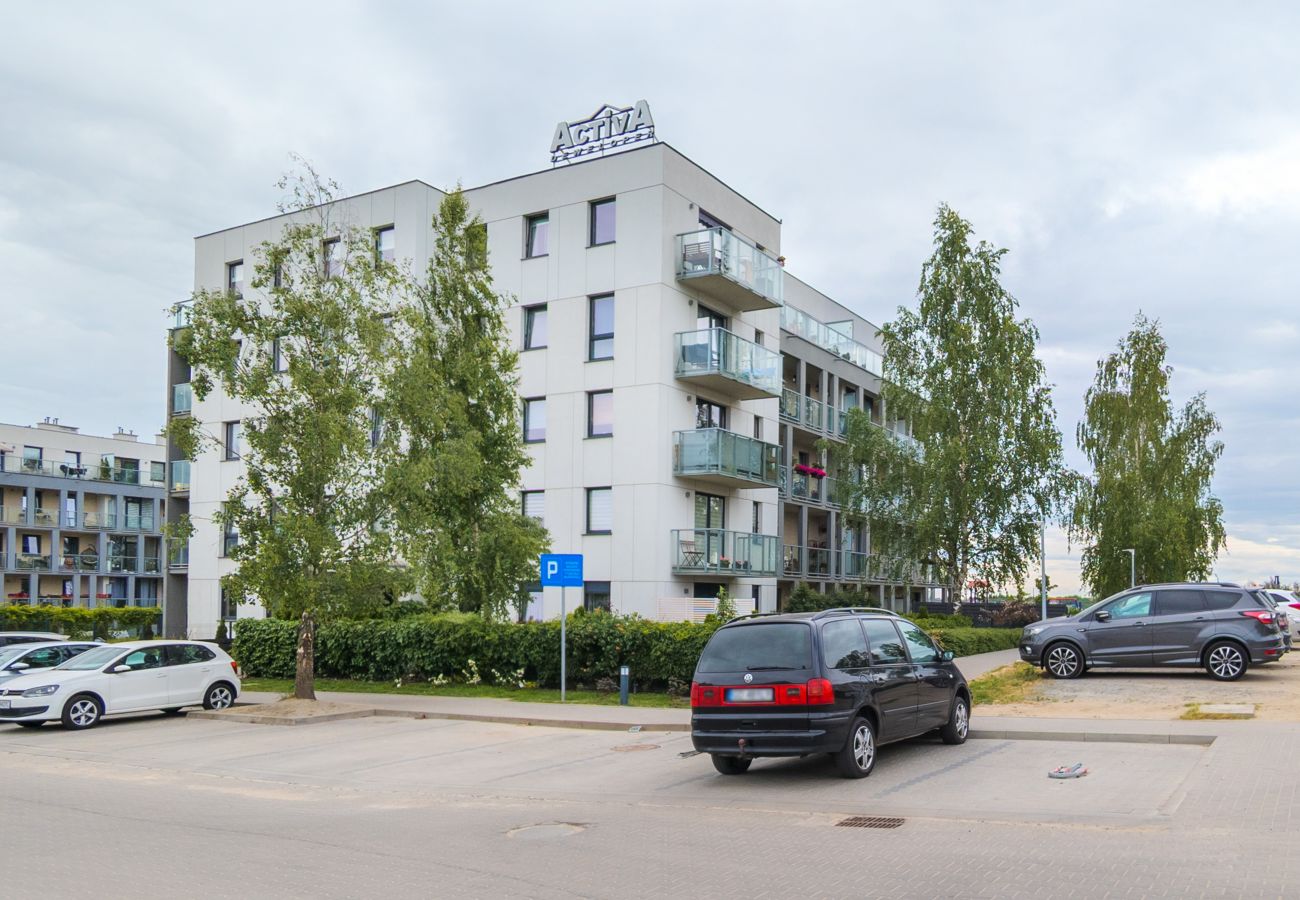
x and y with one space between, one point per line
558 715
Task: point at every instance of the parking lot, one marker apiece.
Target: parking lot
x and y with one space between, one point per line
440 808
1274 689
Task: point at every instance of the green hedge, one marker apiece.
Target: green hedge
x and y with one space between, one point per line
102 622
428 647
969 641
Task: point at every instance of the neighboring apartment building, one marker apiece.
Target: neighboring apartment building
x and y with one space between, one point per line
673 381
80 516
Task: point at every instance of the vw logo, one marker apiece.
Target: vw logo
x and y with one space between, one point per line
748 678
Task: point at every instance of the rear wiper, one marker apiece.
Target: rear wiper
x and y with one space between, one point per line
773 668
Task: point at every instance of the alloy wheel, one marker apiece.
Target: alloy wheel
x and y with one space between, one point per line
1225 661
962 717
864 747
219 697
1063 661
83 712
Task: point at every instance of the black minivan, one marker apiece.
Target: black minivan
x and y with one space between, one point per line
840 681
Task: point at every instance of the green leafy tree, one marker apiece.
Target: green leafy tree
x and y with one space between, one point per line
453 406
307 354
1152 468
968 460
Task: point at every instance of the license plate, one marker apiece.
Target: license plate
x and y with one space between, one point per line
749 695
4 704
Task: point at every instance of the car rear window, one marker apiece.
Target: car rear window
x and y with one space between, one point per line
753 648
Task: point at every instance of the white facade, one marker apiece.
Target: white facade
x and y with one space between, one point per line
680 526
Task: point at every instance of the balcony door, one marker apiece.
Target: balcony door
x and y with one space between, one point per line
707 318
710 519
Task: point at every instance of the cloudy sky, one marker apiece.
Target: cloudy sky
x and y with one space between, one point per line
1131 156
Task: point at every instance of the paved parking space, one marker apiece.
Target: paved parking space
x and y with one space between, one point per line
993 778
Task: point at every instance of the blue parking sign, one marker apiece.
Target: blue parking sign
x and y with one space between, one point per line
561 569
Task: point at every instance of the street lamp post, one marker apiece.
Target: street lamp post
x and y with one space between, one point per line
1132 566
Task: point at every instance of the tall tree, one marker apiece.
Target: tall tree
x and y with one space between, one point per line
305 354
1152 468
453 405
969 459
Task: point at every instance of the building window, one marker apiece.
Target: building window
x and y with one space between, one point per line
227 605
534 505
32 459
756 526
376 427
278 360
386 244
536 229
72 459
709 414
601 343
333 256
600 510
602 222
535 420
707 318
157 472
595 595
32 545
709 221
600 414
535 327
758 428
710 510
229 538
231 440
235 277
758 337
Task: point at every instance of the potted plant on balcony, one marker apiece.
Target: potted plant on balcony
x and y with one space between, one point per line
813 471
724 562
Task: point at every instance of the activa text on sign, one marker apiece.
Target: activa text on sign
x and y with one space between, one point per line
607 128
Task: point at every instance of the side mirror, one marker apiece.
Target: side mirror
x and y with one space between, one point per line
947 656
19 666
120 669
1103 616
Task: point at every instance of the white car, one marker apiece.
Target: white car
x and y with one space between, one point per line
28 637
27 659
1287 602
122 678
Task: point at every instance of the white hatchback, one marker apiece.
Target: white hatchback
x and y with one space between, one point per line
122 678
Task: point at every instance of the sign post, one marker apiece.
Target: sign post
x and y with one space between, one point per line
562 570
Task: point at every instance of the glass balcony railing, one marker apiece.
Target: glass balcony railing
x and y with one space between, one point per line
180 475
728 362
713 551
179 557
99 520
48 518
798 322
104 470
723 263
181 314
791 560
11 515
814 413
31 562
182 398
723 454
119 562
789 404
151 565
803 483
79 562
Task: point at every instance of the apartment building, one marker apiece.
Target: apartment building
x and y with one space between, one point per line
674 380
80 516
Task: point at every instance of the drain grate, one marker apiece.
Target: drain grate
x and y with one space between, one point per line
869 822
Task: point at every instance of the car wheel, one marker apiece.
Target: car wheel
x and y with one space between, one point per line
730 765
958 723
82 711
858 757
1063 661
171 711
30 724
1225 661
219 696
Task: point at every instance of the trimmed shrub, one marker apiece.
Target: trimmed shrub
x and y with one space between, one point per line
969 641
77 622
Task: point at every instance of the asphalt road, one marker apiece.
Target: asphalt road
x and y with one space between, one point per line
398 807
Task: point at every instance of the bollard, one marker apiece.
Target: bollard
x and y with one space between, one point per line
622 685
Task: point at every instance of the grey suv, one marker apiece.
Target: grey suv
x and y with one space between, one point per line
1220 626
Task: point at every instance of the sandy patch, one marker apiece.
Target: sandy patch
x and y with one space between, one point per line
291 708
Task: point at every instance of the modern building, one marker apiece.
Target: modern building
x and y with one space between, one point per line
674 381
80 516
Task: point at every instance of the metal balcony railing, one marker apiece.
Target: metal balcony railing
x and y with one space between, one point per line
714 551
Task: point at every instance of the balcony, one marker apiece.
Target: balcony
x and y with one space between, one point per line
152 565
99 520
79 562
138 522
723 457
119 562
181 314
850 565
12 515
105 470
713 551
724 265
179 557
44 518
182 399
32 562
180 482
808 487
799 323
727 363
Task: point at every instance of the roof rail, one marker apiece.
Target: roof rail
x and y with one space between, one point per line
753 615
843 610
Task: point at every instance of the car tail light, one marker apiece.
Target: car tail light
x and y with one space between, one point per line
820 692
1294 605
234 667
1263 615
702 695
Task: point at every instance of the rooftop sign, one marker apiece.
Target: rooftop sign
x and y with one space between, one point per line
607 128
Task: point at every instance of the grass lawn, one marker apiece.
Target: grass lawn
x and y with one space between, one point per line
531 695
1015 683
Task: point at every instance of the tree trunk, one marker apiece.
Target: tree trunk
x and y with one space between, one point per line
304 680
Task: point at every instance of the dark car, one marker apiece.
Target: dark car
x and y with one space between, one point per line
840 681
1221 626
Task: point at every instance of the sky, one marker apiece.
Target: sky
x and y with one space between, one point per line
1130 156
